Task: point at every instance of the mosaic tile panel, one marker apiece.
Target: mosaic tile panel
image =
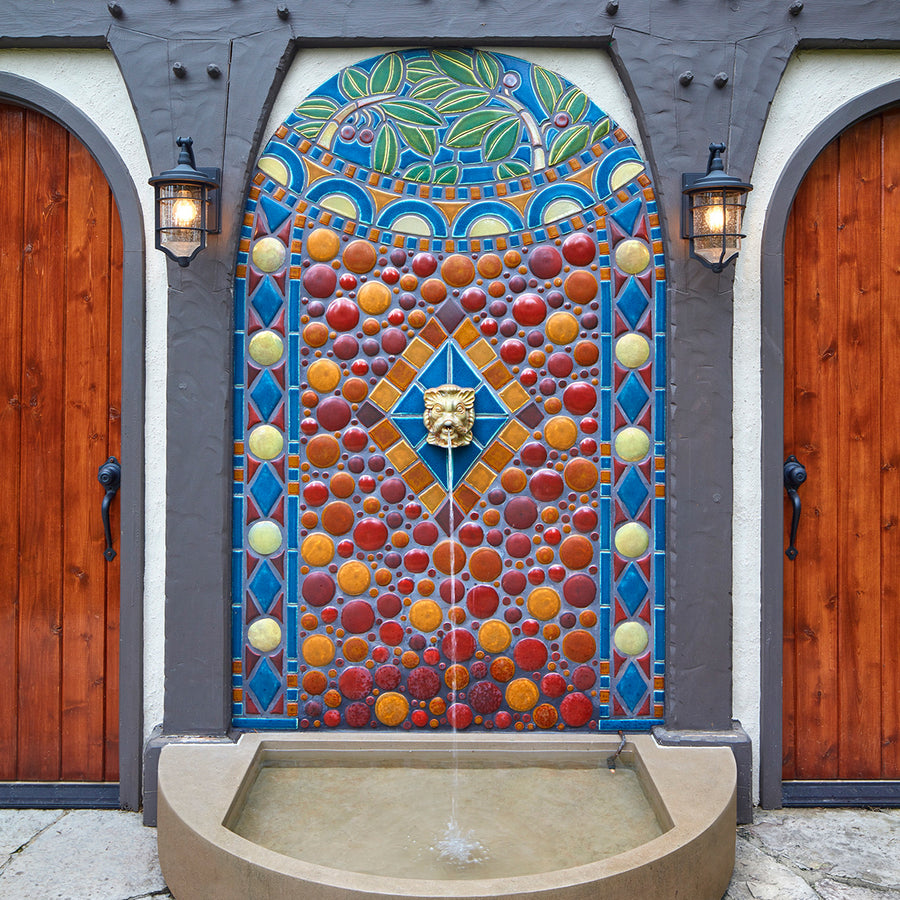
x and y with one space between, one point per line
449 217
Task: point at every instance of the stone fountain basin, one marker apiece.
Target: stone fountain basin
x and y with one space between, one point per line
203 789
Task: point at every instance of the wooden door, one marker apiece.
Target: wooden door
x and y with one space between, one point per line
842 421
60 341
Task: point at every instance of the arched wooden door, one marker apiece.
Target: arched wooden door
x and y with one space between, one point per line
60 333
842 421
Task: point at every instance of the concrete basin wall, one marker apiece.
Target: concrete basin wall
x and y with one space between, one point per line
202 789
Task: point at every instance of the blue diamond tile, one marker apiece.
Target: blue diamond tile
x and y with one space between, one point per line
266 394
412 403
461 372
411 427
632 303
267 300
266 488
463 459
437 372
265 586
486 427
632 397
486 404
632 589
632 492
265 684
627 215
632 687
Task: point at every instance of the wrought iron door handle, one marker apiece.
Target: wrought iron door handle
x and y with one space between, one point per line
794 476
110 476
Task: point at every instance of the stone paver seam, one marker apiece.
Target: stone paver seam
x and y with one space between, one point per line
30 841
163 895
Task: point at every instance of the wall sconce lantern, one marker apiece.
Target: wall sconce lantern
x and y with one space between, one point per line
712 209
187 206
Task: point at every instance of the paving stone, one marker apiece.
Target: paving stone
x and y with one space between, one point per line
87 855
19 826
758 876
860 845
834 890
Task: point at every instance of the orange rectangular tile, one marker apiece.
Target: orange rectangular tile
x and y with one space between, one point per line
601 222
418 353
384 434
293 709
399 240
578 222
497 456
449 193
603 248
433 333
528 239
603 696
604 667
552 231
238 448
384 395
648 193
293 680
296 246
325 218
374 178
259 178
293 487
401 374
465 497
643 180
281 131
237 695
660 274
402 456
244 245
237 666
657 247
248 219
514 434
604 477
574 165
349 227
654 220
293 461
501 243
620 135
481 477
425 192
350 171
476 246
502 190
279 193
296 272
605 273
660 490
481 353
423 242
605 449
525 182
466 333
241 271
658 710
659 683
514 396
238 475
418 477
433 497
623 196
551 175
449 246
474 192
659 462
598 149
496 375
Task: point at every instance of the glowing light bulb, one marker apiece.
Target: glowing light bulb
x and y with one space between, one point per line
186 212
714 217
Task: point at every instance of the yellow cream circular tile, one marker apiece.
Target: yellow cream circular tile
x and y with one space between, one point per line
318 650
632 350
324 375
268 254
425 615
353 577
266 347
317 549
264 537
266 442
323 244
632 256
494 636
631 638
561 432
264 635
632 444
632 540
374 297
543 603
562 328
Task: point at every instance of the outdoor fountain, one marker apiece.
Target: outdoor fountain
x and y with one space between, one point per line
449 512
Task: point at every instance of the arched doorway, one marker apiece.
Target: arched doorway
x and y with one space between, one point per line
73 271
449 217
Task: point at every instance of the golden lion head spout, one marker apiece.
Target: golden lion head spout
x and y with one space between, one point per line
449 415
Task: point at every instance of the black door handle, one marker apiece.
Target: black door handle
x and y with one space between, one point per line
794 476
110 476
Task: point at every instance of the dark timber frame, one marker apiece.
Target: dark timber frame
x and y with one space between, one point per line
772 792
651 43
127 793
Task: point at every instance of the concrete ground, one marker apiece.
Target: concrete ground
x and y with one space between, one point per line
785 855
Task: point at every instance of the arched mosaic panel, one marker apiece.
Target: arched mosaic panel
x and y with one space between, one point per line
466 218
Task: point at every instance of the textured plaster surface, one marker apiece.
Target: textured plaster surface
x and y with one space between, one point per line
76 75
815 84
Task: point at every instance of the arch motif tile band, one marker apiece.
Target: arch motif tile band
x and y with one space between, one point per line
462 217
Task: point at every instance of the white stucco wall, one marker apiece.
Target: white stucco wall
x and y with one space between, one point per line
815 84
90 80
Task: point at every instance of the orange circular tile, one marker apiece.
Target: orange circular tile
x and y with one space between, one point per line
576 552
456 677
581 287
490 265
355 390
449 557
586 353
561 432
323 451
579 646
512 258
360 257
315 334
342 485
502 669
355 649
562 328
434 291
337 517
457 270
314 682
513 480
323 244
485 564
581 474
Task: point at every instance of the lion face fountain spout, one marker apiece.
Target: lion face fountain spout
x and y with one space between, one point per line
449 415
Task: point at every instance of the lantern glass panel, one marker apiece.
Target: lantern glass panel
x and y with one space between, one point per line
716 225
182 218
